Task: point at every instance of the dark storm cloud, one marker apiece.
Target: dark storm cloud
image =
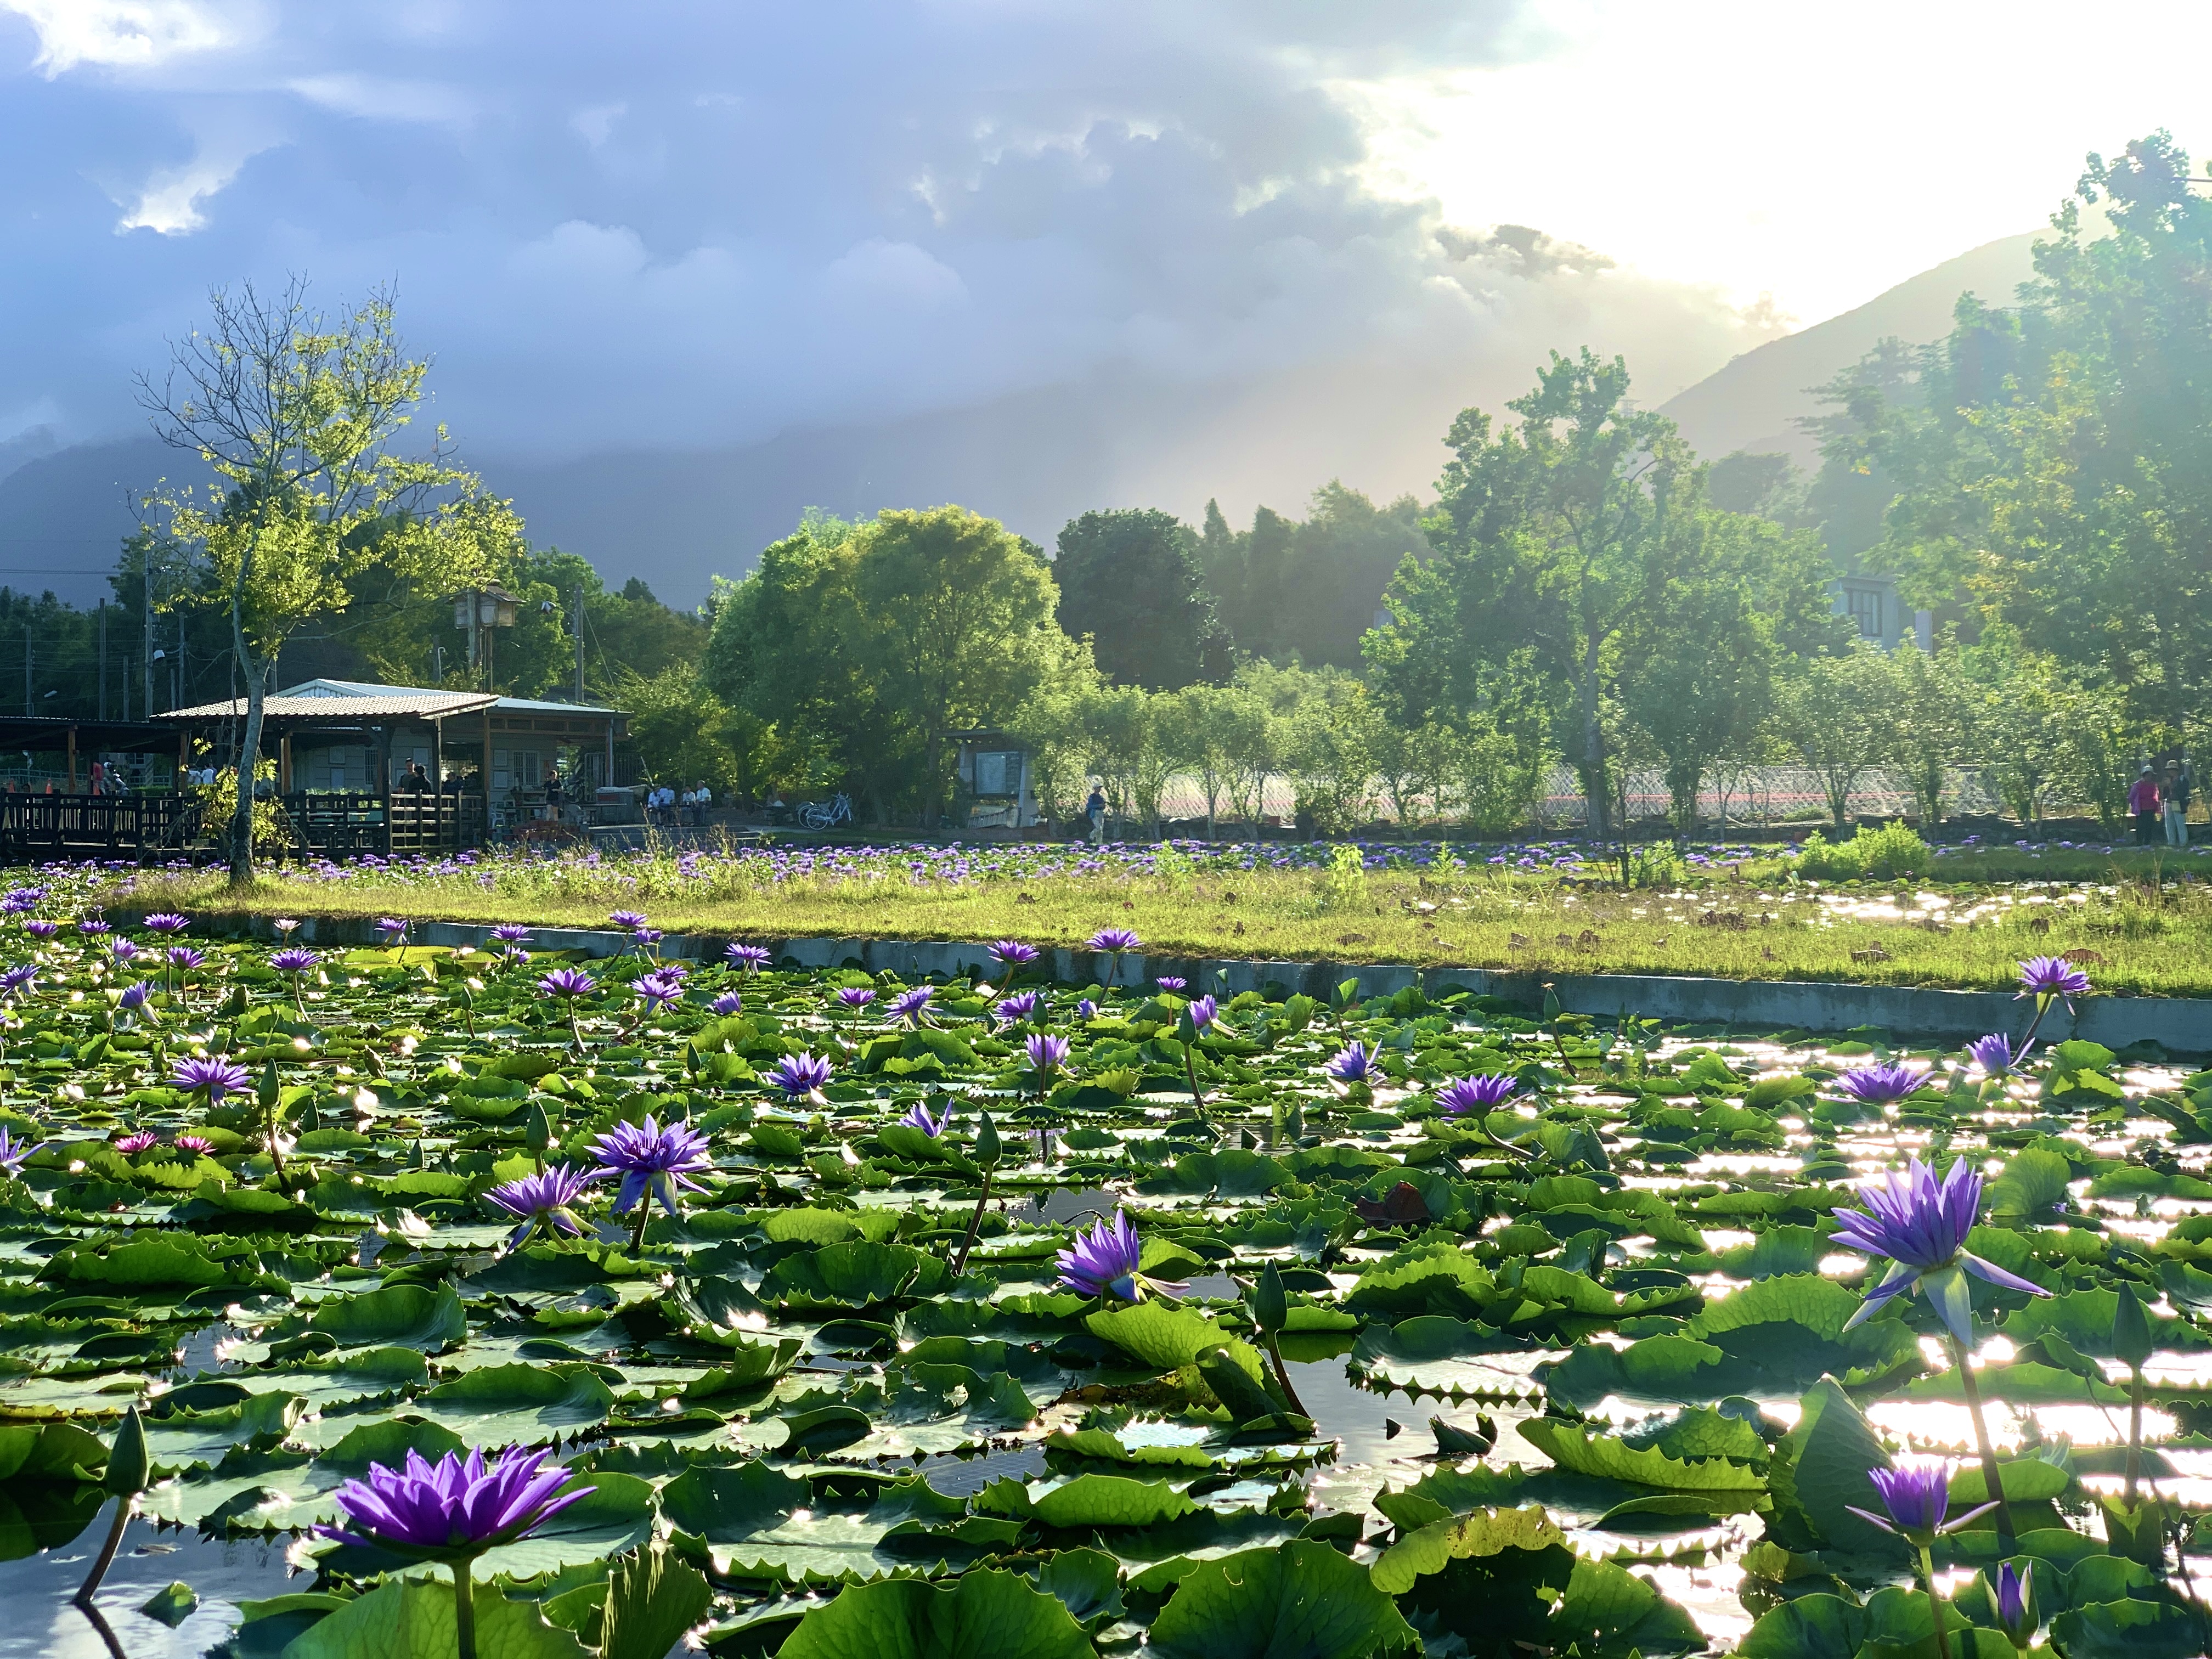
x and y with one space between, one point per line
695 227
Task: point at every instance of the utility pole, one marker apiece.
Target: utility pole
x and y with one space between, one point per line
103 660
27 670
180 702
580 642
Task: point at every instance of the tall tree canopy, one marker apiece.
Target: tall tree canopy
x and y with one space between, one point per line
1309 588
866 644
299 416
1577 555
2049 467
1129 578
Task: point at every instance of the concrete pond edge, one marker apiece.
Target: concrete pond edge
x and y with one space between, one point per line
2180 1025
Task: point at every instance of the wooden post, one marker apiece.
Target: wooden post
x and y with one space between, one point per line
384 782
72 760
284 763
486 774
184 757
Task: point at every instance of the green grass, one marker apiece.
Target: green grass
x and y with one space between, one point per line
2137 936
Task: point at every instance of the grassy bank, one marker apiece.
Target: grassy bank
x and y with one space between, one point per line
2133 936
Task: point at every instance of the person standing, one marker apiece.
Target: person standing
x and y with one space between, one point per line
2173 796
1095 810
2143 802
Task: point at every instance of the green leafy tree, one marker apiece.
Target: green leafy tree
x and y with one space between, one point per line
299 415
1929 710
686 735
1838 714
1130 579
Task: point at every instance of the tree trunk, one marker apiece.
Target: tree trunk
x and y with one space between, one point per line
249 758
1594 783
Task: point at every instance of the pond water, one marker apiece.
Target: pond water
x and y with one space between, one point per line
1624 1281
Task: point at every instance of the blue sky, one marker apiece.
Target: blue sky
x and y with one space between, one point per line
1242 245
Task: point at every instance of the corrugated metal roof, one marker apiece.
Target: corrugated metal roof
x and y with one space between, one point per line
387 703
364 700
506 705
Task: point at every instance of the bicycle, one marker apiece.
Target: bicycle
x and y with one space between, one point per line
827 815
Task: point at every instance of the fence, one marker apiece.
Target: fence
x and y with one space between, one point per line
1761 797
33 828
337 825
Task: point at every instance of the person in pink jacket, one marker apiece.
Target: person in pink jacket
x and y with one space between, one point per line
2143 802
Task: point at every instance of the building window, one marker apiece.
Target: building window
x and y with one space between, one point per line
1866 610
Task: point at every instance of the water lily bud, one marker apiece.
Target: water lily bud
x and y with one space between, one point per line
265 1093
1270 1309
538 1135
986 1142
128 1466
2131 1339
1551 1009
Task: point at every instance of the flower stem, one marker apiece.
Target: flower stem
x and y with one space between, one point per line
960 1262
1989 1475
1190 1071
637 1233
1927 1578
1283 1375
464 1610
124 1508
2135 1434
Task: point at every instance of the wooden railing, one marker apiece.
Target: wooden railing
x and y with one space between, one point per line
35 828
341 826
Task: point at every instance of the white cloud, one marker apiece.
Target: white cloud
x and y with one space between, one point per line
379 98
597 123
169 202
130 34
877 272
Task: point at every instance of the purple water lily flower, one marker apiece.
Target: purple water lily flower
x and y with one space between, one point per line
800 1076
1046 1053
567 983
726 1004
1479 1093
1920 1224
20 980
134 996
92 927
1112 940
1103 1262
1917 1500
121 950
13 1152
1203 1013
1355 1064
298 959
393 928
186 957
212 1073
912 1006
452 1510
1013 955
2015 1600
510 932
1172 982
41 929
2046 977
1877 1085
138 1140
1995 1054
855 997
196 1143
750 957
629 920
658 990
1086 1009
652 1159
541 1202
1013 1010
166 921
919 1118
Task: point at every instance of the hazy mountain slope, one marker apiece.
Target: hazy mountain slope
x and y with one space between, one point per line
1753 402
